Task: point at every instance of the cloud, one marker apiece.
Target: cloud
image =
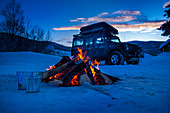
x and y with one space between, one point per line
142 27
123 20
70 27
104 13
112 19
78 19
166 4
118 16
127 12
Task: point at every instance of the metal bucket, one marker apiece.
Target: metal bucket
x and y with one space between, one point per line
32 81
21 80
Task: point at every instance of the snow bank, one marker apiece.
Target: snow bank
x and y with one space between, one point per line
158 65
25 61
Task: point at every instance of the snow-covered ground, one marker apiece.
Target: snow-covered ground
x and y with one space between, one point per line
144 88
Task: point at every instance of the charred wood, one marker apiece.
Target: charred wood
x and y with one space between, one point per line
69 76
90 74
64 60
59 69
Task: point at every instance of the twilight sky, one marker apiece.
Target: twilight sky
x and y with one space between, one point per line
134 19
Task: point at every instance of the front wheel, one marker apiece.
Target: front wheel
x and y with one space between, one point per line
116 58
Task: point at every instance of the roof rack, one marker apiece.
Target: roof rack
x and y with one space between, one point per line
98 27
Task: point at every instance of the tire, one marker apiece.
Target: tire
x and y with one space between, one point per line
116 58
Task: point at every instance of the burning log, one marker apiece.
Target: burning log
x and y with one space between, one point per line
57 82
90 74
59 69
108 79
84 78
65 64
75 72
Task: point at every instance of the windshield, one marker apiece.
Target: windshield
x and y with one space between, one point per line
78 42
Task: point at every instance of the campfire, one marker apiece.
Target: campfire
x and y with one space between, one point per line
76 71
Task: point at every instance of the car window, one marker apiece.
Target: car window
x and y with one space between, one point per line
99 40
78 42
115 40
89 41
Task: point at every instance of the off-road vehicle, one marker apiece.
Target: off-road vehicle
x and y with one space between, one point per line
100 42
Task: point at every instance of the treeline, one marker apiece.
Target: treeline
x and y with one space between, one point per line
46 47
14 23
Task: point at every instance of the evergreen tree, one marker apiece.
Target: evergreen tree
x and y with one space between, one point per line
166 26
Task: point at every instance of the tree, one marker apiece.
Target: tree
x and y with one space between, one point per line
48 36
28 27
13 18
166 26
37 33
40 34
12 23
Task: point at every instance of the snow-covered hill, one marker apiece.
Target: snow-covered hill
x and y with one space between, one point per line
144 88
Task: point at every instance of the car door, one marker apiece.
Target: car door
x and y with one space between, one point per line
100 47
89 46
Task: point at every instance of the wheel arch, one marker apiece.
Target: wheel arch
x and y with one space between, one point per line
113 51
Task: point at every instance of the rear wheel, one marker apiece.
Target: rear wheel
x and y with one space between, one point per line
116 58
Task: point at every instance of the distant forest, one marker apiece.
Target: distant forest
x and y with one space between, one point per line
12 45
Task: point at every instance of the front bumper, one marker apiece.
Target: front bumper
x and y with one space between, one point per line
141 54
133 59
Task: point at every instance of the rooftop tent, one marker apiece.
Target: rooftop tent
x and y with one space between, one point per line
97 27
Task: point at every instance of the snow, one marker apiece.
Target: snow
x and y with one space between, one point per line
25 61
143 88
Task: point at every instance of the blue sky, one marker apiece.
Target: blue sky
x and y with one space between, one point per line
134 19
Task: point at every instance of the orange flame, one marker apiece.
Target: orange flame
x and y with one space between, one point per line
74 81
85 58
93 63
51 67
92 70
81 55
96 63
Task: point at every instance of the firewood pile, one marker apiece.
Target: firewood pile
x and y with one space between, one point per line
75 72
